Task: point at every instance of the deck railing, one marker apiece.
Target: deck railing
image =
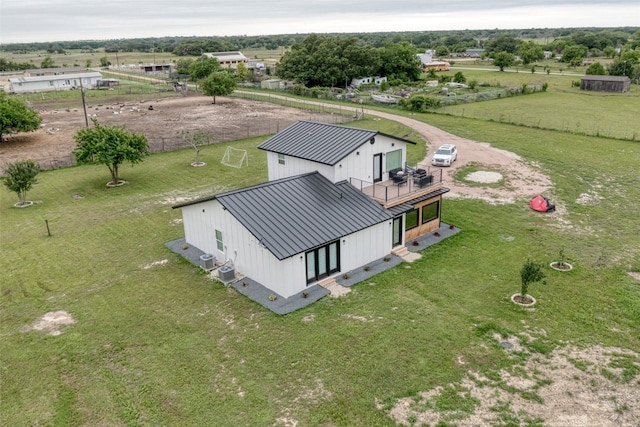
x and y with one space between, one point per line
389 190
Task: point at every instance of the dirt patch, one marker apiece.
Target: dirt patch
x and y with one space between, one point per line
233 118
571 387
229 119
51 323
484 177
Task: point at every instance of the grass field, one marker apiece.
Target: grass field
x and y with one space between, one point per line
157 343
562 107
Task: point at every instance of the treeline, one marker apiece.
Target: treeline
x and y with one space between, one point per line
455 41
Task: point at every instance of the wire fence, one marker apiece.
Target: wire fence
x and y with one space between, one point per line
224 134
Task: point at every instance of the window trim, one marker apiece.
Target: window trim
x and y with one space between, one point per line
328 270
219 241
406 219
281 159
437 214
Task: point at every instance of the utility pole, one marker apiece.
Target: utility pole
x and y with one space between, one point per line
84 104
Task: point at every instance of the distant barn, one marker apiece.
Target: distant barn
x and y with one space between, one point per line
605 83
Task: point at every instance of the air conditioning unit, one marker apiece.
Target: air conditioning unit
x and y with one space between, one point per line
226 273
207 261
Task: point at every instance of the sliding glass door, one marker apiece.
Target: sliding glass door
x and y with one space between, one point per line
323 261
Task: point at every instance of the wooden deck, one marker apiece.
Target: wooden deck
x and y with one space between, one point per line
389 193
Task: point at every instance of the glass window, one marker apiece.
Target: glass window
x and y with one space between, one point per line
219 242
411 219
323 261
281 159
311 266
394 159
430 212
333 256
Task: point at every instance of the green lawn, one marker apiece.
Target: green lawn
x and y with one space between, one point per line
162 345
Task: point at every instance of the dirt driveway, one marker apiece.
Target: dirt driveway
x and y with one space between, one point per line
234 118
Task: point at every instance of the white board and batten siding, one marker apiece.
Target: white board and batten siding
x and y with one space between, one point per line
365 246
250 258
285 277
358 164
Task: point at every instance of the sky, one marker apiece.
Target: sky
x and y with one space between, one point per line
24 21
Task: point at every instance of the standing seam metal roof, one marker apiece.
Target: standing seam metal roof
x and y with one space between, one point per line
318 142
296 214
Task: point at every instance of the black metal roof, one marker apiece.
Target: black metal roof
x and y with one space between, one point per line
320 142
292 215
427 196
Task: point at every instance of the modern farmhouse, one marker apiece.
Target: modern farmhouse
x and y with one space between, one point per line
337 199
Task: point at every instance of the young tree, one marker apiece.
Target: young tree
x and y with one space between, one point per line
16 116
530 273
503 59
110 146
21 176
196 139
220 83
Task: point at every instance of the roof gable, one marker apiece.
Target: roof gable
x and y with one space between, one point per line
318 142
292 215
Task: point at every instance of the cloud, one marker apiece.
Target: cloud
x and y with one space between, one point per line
50 20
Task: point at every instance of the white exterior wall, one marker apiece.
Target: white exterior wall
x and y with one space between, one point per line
358 164
365 246
52 83
294 166
286 277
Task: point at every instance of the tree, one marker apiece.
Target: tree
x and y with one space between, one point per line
20 177
502 43
530 52
503 59
459 77
88 63
203 67
196 139
442 51
530 273
220 83
110 146
183 65
596 69
104 62
400 62
328 61
16 116
242 72
574 54
47 62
